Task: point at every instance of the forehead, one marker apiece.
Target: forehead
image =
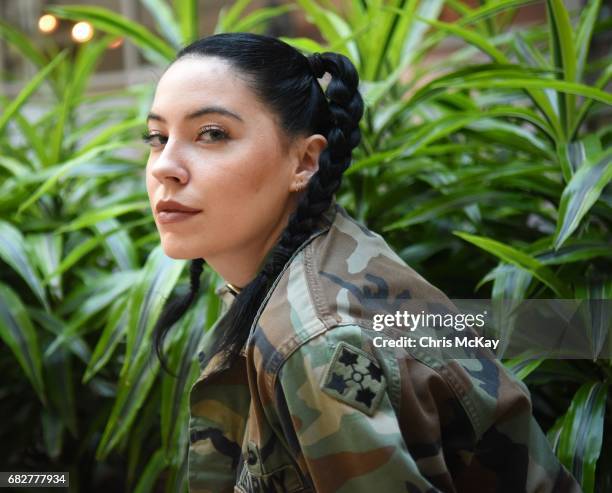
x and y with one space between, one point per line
197 81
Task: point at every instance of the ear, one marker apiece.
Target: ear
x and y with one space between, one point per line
309 150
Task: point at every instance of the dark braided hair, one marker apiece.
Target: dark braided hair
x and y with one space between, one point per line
286 81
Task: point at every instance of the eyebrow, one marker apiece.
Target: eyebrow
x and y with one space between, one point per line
198 113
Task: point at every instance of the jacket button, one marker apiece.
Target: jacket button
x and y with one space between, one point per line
251 458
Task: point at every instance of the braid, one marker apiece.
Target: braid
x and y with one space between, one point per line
174 309
346 109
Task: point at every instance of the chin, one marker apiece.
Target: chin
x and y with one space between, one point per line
178 251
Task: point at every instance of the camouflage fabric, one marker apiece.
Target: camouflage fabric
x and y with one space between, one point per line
312 405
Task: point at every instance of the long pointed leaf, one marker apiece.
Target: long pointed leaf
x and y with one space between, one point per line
520 259
13 252
581 193
18 334
165 21
64 169
28 90
108 21
581 433
187 14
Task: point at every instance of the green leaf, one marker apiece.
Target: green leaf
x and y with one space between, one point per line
306 45
28 90
331 26
54 325
260 17
59 382
564 57
490 9
131 394
165 21
228 17
53 434
581 193
525 114
87 58
588 18
581 433
477 76
471 37
47 249
159 276
520 259
151 472
93 217
575 251
542 83
111 335
119 244
183 361
437 206
14 166
418 139
20 41
13 252
596 314
157 280
523 366
90 300
154 48
187 15
87 245
64 170
509 282
586 106
409 35
33 136
18 334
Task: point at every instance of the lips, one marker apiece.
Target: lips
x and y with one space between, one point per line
170 211
173 206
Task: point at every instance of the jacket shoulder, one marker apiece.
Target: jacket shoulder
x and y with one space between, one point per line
342 277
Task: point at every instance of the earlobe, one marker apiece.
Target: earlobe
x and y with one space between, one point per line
313 147
308 160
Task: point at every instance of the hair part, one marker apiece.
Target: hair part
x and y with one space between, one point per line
285 81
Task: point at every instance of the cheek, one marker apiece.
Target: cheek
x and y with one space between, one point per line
264 167
246 174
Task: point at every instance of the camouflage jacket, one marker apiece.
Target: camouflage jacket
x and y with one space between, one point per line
312 405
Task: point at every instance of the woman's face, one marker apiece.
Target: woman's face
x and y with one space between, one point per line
217 150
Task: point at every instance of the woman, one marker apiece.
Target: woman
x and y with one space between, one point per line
247 152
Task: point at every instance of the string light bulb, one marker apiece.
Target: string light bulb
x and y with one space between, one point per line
47 23
82 32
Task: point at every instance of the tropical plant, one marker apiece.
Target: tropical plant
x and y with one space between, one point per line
84 277
509 155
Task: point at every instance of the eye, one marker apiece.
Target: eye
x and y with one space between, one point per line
213 134
154 139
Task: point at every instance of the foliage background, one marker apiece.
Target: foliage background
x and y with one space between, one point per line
488 172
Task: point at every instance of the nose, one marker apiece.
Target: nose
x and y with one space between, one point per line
169 166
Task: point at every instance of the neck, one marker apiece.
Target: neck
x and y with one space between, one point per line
240 266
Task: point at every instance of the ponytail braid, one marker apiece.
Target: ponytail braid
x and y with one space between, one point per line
174 310
286 81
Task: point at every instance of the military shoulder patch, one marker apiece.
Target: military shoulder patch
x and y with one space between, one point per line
354 377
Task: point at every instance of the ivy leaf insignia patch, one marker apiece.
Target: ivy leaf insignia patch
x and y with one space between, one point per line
354 377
